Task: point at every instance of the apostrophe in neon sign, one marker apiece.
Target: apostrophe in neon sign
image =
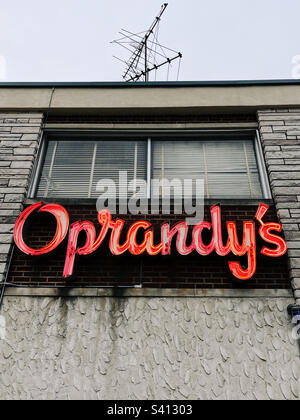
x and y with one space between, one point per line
180 230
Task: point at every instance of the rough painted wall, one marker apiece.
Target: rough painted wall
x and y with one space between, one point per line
146 348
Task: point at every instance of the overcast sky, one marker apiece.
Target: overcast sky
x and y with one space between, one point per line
69 40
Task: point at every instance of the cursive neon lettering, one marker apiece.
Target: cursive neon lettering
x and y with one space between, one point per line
180 230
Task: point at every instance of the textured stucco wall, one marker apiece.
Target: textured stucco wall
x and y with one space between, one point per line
147 348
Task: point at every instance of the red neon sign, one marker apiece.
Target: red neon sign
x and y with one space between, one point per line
62 225
180 230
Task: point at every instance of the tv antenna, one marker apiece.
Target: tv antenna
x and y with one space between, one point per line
147 54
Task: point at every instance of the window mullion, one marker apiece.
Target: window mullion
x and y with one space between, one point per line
205 169
149 151
135 167
92 170
248 170
162 168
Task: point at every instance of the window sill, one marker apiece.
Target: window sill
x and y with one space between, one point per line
234 202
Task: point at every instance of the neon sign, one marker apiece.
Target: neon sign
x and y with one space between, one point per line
180 230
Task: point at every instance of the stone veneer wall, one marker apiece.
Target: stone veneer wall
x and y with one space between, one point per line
280 136
19 138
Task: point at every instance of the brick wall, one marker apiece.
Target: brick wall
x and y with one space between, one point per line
280 135
175 271
19 136
222 117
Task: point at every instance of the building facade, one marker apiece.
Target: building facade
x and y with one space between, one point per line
134 325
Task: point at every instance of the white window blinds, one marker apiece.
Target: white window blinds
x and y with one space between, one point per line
228 168
72 168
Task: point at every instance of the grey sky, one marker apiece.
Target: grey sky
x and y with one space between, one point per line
68 40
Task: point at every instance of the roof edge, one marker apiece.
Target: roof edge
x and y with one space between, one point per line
224 83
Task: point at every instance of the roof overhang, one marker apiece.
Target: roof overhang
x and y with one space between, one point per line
151 97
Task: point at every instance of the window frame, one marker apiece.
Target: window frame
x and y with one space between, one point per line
149 136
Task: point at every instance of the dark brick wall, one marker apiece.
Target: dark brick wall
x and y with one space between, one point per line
103 269
153 118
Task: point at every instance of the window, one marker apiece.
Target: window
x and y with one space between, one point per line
228 167
72 168
229 163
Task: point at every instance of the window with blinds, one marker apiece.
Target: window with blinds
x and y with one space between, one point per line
72 169
229 167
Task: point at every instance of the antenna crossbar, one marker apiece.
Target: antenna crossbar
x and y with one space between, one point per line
143 49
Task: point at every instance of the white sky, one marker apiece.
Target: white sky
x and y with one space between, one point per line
69 40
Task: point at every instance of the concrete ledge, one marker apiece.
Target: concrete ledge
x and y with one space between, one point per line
207 202
116 98
148 126
148 292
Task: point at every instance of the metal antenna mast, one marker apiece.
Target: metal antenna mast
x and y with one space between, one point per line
144 47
